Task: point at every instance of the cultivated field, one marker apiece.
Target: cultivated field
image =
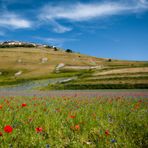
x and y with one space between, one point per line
20 65
74 121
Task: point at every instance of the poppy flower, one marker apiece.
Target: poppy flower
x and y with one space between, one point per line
8 129
107 132
140 101
39 129
1 134
72 117
137 105
1 106
24 104
77 127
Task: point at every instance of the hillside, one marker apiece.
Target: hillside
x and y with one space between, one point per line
25 64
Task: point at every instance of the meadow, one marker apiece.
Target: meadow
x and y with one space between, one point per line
73 122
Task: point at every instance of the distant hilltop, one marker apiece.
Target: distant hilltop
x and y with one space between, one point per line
22 44
13 44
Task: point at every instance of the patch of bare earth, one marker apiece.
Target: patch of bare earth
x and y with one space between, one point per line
125 70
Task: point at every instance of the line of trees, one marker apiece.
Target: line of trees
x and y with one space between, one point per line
12 46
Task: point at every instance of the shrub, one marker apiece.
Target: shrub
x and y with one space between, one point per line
69 50
55 49
109 60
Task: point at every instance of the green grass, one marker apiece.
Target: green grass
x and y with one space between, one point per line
116 78
7 77
89 86
14 81
74 122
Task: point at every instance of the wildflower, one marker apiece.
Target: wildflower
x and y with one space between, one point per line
24 104
136 106
72 117
113 141
8 129
1 134
88 142
1 106
140 101
77 127
39 129
107 132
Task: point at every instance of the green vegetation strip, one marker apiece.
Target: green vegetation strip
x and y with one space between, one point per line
4 81
117 78
95 86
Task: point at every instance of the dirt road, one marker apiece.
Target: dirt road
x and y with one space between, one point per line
79 93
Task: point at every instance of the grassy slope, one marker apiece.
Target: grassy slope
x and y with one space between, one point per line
116 72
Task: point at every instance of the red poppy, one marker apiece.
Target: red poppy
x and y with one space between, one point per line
107 132
8 129
24 104
72 116
140 101
1 106
39 129
77 127
1 134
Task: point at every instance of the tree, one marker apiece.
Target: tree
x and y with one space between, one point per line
109 60
69 50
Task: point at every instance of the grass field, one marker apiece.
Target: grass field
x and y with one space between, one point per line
73 122
90 71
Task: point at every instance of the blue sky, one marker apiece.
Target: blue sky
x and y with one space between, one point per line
102 28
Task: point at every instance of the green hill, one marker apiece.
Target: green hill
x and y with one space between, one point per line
25 64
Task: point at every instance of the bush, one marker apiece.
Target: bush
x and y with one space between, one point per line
55 49
69 50
109 60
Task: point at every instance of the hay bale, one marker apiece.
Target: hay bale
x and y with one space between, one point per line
18 73
59 66
44 60
19 60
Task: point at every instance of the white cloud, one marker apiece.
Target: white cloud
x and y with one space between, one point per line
11 20
56 41
58 27
144 1
80 12
84 12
